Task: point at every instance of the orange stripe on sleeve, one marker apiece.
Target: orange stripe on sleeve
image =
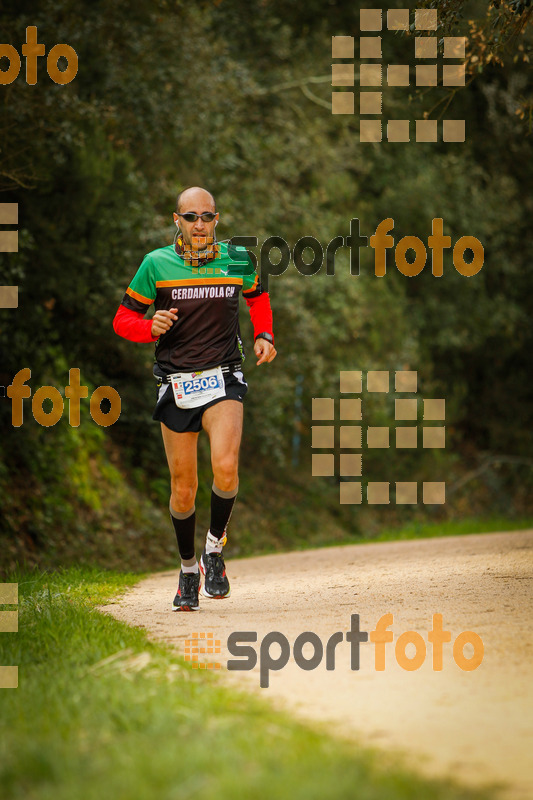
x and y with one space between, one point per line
253 287
141 298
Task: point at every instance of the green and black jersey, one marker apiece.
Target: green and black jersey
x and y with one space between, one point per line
206 333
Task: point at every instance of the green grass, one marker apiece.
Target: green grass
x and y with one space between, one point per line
413 530
143 725
454 527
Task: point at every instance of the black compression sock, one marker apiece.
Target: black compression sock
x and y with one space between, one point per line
221 507
184 526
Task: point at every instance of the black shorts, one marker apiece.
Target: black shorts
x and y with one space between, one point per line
182 420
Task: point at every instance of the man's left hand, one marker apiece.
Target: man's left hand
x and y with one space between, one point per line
265 351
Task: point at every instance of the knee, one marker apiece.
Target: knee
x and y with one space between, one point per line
225 472
183 494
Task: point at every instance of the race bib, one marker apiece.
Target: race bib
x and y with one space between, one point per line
193 389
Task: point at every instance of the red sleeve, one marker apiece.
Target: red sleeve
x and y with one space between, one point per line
131 325
261 313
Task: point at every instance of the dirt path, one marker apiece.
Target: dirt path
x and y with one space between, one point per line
474 725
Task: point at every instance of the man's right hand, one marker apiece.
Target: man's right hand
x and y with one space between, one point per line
163 320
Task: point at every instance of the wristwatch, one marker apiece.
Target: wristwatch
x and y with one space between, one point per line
267 336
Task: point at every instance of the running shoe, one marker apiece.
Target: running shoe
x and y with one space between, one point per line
213 569
187 595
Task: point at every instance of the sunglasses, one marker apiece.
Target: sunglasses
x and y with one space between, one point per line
190 216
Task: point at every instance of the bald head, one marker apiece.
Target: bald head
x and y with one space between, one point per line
197 201
195 196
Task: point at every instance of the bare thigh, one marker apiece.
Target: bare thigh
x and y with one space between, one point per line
181 452
223 424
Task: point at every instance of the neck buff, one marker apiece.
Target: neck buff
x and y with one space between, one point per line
195 257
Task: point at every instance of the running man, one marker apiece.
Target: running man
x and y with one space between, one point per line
194 285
